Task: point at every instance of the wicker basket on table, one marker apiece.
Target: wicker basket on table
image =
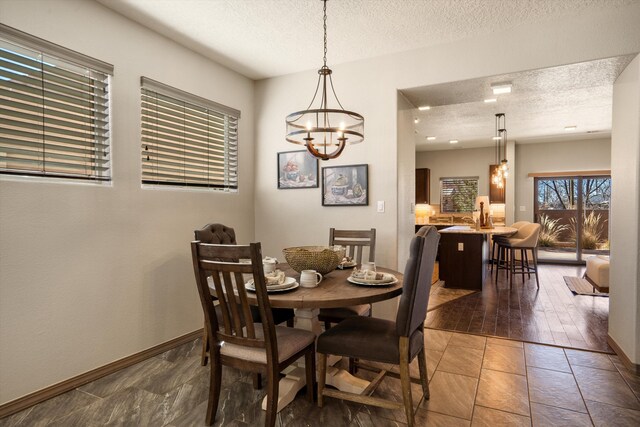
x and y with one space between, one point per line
323 259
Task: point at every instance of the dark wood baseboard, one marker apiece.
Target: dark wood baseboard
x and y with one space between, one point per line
31 399
633 367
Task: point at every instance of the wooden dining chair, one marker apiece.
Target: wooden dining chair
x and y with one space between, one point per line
385 341
221 234
355 242
235 340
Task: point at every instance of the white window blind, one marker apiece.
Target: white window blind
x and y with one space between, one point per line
187 140
458 194
54 110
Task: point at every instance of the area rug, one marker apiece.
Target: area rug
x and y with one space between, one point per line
440 295
580 286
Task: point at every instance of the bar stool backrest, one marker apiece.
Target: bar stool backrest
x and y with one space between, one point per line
526 237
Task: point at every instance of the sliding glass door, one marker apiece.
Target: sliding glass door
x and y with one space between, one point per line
574 214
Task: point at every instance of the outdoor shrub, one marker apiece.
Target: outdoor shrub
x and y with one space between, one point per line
550 231
591 235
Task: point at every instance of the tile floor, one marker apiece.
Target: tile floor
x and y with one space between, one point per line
474 380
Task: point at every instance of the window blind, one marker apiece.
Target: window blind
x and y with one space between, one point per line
458 194
187 140
54 110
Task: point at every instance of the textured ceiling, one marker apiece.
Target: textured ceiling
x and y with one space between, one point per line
266 38
541 104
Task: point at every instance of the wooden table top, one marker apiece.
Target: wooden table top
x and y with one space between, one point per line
333 291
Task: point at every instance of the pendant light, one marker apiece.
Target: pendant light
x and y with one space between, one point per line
502 169
323 130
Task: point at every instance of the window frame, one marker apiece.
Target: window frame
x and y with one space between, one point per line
225 145
50 110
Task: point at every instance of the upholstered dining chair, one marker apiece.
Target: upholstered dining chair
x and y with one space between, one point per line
526 239
223 235
237 341
385 341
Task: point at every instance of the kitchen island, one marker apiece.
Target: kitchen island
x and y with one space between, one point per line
463 255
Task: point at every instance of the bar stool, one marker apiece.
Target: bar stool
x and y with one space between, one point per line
525 239
496 239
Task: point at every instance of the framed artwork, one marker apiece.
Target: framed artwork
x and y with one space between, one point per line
297 169
345 185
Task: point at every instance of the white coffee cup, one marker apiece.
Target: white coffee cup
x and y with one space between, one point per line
269 266
369 266
310 278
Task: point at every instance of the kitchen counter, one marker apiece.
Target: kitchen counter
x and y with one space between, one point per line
467 229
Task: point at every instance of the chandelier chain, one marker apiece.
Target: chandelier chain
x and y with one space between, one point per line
324 9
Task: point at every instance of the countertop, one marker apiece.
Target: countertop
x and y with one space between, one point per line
466 229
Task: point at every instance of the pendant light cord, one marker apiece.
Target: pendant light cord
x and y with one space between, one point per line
324 9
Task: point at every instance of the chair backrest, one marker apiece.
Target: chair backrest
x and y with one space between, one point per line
527 236
355 241
216 233
519 224
221 266
418 272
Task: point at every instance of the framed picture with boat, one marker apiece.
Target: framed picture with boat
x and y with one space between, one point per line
297 169
345 185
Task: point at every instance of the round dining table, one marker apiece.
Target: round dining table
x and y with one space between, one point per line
333 291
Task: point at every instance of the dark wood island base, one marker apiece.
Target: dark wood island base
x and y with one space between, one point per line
463 255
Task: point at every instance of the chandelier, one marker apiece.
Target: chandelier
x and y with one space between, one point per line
323 130
502 170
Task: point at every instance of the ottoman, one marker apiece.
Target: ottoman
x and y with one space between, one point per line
597 272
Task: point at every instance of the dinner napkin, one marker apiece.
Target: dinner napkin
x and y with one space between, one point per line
366 275
275 278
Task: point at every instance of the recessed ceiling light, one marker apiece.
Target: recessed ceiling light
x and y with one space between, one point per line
453 141
490 100
500 88
424 108
570 128
431 138
416 120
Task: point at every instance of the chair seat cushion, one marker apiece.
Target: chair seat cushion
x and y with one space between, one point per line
290 341
341 313
367 338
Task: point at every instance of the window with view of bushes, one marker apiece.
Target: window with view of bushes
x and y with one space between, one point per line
458 194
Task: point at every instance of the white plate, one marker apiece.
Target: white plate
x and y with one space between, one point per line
289 284
347 265
376 283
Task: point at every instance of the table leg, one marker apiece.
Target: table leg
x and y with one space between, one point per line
295 374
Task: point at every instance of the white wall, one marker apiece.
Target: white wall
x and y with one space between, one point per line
565 156
90 274
624 305
406 184
457 163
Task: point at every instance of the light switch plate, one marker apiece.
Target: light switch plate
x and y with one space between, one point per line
461 247
381 206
